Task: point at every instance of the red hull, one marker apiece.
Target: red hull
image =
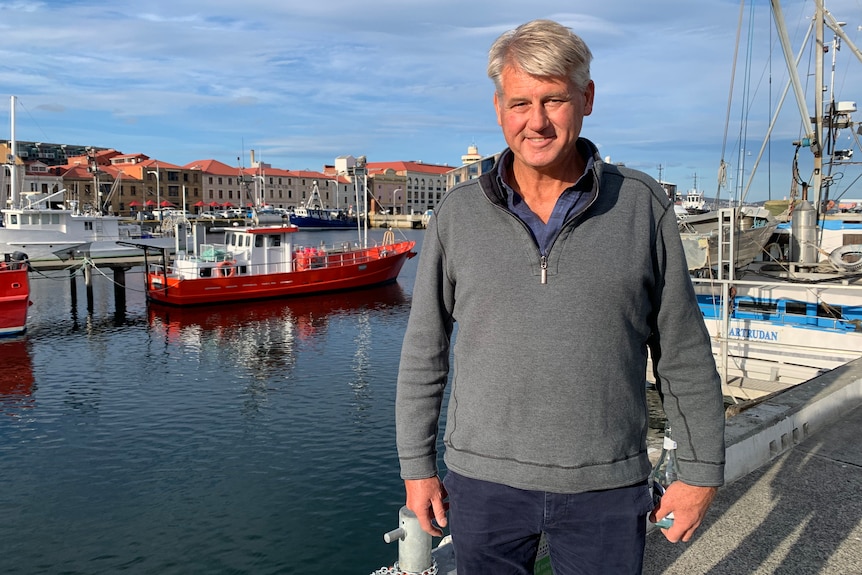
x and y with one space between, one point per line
14 300
381 266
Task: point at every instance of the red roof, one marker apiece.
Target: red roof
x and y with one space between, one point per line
212 167
434 169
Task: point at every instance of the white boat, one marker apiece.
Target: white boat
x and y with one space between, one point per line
798 310
704 234
53 235
48 231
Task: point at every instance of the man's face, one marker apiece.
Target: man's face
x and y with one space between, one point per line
541 119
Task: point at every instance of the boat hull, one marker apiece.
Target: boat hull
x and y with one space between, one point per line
14 301
780 333
347 271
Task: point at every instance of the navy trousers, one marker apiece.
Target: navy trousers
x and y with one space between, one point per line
496 529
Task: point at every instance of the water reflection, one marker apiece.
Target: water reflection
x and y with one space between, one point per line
306 316
16 377
266 340
266 332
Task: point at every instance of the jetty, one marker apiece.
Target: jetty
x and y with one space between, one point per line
791 500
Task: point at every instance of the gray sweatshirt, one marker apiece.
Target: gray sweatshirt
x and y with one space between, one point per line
549 362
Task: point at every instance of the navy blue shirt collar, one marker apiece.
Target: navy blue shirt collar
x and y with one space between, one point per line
570 201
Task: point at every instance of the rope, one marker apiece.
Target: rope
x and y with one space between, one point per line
395 570
93 265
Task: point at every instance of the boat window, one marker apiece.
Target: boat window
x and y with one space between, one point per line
46 219
13 218
247 241
756 306
831 311
206 272
275 241
796 307
258 241
55 219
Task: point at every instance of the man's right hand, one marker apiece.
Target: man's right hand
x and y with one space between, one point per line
426 498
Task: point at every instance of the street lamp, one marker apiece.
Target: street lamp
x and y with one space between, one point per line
396 191
335 182
158 191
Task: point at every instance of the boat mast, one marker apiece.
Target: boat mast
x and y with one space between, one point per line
812 138
817 180
13 161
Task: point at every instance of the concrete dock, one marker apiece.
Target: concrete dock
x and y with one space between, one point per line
793 499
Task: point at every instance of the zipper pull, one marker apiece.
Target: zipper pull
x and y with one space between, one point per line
543 262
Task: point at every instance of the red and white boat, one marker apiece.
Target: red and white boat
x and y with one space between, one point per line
263 262
14 293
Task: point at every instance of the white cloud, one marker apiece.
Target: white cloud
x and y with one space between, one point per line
391 79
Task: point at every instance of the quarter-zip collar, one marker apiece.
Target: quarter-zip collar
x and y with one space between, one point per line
572 203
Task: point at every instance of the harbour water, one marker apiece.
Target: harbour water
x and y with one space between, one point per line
243 439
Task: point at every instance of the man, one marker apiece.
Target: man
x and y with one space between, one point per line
560 272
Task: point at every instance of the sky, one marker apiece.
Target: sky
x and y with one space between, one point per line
303 82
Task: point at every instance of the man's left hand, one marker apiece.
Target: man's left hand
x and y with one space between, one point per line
689 504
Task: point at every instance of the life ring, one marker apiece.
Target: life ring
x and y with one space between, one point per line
847 258
226 268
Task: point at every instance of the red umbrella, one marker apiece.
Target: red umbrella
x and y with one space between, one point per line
227 205
199 204
149 203
134 204
166 204
214 204
249 205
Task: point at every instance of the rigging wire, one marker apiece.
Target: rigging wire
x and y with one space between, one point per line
722 169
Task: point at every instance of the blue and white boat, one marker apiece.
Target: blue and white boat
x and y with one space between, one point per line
314 216
797 309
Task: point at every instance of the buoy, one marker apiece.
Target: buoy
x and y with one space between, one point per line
847 258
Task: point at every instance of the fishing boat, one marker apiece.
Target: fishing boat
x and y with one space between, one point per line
14 293
704 234
54 235
49 230
263 262
796 311
313 216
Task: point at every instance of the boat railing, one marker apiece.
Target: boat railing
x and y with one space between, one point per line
345 254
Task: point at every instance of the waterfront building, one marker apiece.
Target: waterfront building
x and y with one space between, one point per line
424 185
152 182
474 165
108 180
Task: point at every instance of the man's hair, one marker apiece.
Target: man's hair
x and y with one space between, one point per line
541 48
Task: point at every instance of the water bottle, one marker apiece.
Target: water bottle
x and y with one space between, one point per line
663 474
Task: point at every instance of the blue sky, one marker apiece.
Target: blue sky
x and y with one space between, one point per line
304 82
